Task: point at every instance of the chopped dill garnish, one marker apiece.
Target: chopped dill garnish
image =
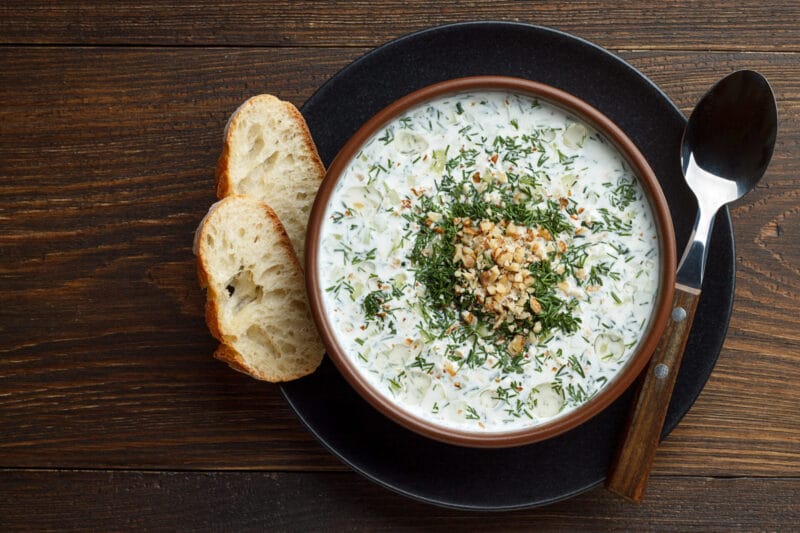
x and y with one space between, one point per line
505 394
421 363
576 366
612 222
395 384
564 159
577 394
624 194
518 409
372 304
341 284
598 271
432 256
388 136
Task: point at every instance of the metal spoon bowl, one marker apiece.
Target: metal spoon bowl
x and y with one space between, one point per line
726 148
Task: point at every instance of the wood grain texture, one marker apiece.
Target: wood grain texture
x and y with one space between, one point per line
649 24
639 440
107 158
103 500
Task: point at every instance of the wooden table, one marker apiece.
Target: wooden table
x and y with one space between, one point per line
113 414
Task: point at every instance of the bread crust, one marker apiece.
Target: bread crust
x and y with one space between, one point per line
234 360
223 183
230 356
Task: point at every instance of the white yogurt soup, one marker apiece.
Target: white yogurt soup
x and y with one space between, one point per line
488 261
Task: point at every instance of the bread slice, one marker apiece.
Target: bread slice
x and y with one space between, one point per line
256 303
268 154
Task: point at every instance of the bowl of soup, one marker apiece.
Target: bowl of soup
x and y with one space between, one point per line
490 261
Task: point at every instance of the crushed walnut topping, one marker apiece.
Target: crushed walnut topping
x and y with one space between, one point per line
494 260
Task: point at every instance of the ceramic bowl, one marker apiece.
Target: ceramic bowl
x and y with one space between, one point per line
345 363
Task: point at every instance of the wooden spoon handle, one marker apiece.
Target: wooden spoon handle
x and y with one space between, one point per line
635 454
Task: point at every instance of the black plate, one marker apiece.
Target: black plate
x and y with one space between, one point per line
574 462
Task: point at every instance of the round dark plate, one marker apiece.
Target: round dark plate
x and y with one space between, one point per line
573 462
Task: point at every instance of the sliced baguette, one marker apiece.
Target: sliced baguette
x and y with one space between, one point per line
268 154
256 303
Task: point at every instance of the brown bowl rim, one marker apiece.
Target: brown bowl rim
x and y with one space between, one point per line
667 255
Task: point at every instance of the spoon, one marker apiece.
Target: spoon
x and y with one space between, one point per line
726 148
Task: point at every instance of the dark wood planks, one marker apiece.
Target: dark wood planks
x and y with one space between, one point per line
107 163
106 159
344 502
685 25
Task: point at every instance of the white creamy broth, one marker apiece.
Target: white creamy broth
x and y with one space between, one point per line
489 262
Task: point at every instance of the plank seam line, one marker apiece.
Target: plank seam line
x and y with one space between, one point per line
322 471
678 49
